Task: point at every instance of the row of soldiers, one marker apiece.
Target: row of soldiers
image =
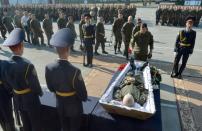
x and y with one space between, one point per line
107 11
173 15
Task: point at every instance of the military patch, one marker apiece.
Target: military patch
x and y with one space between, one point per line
80 77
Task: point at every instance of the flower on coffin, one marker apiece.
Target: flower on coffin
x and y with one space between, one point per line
129 50
121 67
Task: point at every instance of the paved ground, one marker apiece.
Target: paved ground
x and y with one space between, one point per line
97 78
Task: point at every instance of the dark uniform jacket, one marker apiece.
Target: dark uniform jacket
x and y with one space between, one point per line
35 26
7 21
63 77
118 24
127 31
21 75
61 22
100 31
47 26
80 29
185 41
72 28
17 21
88 34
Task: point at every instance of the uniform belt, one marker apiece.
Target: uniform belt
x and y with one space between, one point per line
186 45
65 94
22 92
88 36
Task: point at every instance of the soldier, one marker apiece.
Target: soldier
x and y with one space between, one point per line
70 88
140 43
71 26
81 31
118 24
24 22
48 28
126 34
21 76
137 26
89 39
100 36
61 22
184 47
7 22
36 30
6 112
29 27
17 19
2 29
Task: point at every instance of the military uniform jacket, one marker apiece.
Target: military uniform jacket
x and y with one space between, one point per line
88 34
100 31
61 76
47 26
35 26
117 26
61 22
80 29
140 42
72 28
185 41
21 75
7 21
5 91
17 21
127 31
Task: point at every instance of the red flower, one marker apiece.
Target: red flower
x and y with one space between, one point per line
121 67
129 50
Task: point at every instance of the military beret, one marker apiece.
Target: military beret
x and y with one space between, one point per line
188 18
62 38
87 15
15 37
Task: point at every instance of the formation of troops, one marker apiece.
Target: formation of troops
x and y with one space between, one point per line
172 15
18 77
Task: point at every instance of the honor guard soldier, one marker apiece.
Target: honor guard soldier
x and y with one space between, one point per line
89 39
22 77
118 24
184 47
6 112
66 82
82 21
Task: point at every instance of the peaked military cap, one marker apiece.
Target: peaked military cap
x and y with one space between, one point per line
62 38
190 18
87 15
15 37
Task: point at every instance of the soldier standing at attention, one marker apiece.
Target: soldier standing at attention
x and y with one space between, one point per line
21 76
48 27
24 22
17 19
89 39
126 34
140 43
6 112
2 29
100 36
37 31
184 47
66 82
137 26
61 22
7 22
71 26
118 24
81 31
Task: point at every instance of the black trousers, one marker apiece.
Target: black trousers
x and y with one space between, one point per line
31 119
89 53
70 123
179 55
98 42
27 31
3 32
126 49
48 35
36 36
6 112
118 41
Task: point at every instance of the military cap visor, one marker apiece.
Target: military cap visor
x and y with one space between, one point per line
62 38
15 37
